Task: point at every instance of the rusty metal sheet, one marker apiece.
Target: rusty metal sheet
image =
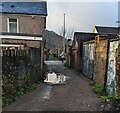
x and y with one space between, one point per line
111 74
88 60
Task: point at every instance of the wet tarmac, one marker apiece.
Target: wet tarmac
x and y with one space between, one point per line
73 94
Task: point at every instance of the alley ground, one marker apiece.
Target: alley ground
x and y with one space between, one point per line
75 95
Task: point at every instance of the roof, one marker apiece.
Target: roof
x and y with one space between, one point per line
35 8
84 36
106 30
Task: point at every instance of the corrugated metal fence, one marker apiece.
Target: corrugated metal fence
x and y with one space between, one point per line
88 59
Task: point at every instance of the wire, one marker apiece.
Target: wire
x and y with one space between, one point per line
79 21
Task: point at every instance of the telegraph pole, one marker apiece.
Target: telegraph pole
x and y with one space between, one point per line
64 35
118 26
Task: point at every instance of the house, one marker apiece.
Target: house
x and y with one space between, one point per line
105 30
77 48
21 34
23 18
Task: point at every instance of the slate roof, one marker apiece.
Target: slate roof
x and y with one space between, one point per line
84 36
35 8
106 30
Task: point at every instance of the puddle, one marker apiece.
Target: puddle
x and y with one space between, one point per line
47 92
55 78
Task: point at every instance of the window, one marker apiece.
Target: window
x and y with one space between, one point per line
13 25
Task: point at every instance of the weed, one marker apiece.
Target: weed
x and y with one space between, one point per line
107 98
33 86
21 91
99 89
66 65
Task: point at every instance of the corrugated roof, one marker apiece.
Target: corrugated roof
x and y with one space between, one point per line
37 8
106 30
84 36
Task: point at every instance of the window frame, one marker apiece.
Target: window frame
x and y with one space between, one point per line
8 22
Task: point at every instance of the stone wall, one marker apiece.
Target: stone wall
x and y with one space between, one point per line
20 69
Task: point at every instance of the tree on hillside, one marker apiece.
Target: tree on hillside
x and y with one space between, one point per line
68 32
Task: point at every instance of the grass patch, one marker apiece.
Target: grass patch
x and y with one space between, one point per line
66 65
21 91
101 91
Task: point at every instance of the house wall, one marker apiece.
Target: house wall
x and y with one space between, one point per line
111 74
100 59
88 59
26 24
95 30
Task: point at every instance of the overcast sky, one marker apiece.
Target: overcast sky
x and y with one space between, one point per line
81 16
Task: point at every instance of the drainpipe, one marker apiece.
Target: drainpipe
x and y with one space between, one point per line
42 54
